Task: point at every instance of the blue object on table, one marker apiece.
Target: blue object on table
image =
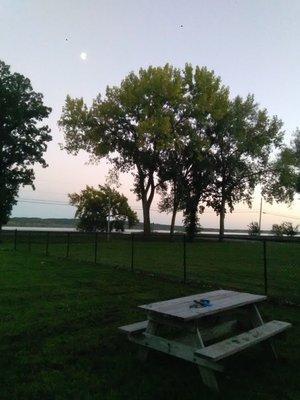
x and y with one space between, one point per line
205 302
201 303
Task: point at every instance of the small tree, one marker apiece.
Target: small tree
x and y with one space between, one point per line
277 230
23 140
254 229
289 229
94 205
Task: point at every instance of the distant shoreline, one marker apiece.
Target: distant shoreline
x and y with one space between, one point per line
69 224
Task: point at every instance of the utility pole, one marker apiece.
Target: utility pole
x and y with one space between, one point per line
108 219
260 214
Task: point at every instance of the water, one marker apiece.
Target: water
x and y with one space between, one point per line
127 231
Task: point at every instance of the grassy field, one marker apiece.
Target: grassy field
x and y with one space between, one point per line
59 338
234 264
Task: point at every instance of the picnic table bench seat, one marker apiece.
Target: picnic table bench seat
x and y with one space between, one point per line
135 328
241 342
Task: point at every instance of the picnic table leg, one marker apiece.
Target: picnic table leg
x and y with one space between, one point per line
209 379
143 351
207 375
258 321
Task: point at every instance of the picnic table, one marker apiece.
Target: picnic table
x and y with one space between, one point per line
205 329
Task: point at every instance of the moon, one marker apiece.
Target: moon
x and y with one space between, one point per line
83 55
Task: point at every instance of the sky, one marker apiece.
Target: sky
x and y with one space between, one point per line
254 46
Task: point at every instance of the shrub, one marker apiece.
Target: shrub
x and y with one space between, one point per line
286 228
289 229
277 230
254 229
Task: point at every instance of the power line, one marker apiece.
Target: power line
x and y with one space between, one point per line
65 203
280 215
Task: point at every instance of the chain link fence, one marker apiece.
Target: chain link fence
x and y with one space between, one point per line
259 265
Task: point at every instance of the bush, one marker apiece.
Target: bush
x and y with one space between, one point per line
286 228
277 230
289 229
254 229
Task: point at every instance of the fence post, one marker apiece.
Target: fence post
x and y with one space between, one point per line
29 241
96 246
47 243
265 267
68 245
15 239
132 250
184 258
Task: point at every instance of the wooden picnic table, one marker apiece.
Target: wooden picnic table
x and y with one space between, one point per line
205 334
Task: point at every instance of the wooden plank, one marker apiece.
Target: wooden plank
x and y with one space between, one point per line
258 321
172 302
219 330
209 379
184 312
240 342
137 327
174 348
152 329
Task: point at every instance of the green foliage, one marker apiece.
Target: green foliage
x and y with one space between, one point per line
132 125
277 230
222 151
241 143
254 229
289 229
23 140
283 179
94 206
179 131
286 228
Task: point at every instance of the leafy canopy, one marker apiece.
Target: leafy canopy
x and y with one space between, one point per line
132 125
95 205
23 140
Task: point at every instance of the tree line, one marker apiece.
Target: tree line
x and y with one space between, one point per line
179 132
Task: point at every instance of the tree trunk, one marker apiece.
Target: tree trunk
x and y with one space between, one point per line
222 221
146 191
191 220
174 213
146 215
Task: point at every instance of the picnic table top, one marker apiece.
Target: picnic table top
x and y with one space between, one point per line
220 300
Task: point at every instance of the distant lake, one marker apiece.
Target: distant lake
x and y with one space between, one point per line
127 231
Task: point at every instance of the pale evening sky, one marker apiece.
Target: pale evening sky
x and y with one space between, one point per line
78 47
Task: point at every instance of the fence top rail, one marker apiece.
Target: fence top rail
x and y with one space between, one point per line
159 235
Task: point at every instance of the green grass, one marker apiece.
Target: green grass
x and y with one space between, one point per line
234 264
59 338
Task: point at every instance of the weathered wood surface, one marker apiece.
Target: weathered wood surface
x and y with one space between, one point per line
257 320
174 348
240 342
221 300
136 328
152 329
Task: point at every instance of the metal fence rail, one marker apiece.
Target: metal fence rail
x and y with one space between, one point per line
258 264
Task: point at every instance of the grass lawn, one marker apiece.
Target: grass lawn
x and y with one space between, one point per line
59 338
232 264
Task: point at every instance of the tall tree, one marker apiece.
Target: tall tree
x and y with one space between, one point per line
23 140
132 125
206 101
282 180
241 144
94 206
